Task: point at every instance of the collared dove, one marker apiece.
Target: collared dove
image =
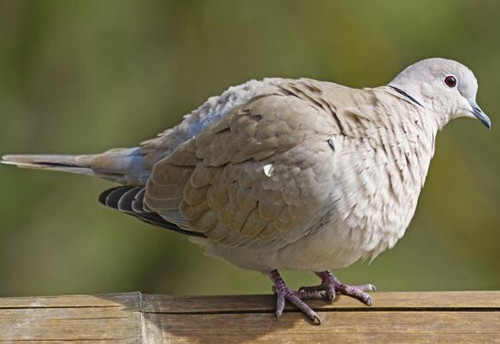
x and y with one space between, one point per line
289 174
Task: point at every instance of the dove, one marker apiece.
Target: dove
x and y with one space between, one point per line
283 174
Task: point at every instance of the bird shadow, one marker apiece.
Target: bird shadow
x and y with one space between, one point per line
207 319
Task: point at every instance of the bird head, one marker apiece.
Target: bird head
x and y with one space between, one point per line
445 87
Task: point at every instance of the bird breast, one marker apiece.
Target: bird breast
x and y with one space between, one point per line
379 177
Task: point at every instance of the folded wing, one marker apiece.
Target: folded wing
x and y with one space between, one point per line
260 177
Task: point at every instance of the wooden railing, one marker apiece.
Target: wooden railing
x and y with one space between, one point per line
396 317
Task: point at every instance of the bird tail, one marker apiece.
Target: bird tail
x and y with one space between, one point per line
119 165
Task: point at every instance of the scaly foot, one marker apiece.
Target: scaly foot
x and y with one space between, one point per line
330 285
284 293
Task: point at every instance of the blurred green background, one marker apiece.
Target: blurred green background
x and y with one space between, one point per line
85 76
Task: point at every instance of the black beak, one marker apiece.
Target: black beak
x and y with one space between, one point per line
481 116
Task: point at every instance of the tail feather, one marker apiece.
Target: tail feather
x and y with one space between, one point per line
119 165
63 163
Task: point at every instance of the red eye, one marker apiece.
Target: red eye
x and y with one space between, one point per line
450 81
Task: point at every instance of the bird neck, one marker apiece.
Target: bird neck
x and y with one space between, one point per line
422 97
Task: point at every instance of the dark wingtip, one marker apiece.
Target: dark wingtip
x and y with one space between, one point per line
104 195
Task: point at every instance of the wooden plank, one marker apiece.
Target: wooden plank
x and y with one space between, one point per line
103 319
418 317
383 300
423 317
338 327
131 300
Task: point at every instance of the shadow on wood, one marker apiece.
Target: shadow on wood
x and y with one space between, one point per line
423 317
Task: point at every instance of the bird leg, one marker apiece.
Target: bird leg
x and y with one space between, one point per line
330 285
284 293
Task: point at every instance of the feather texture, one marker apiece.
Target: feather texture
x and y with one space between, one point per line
288 174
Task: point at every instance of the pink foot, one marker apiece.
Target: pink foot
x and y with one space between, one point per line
330 285
284 293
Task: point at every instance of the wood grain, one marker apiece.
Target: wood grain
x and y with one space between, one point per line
409 317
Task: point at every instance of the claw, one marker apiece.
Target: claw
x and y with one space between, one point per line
330 285
357 292
284 293
317 320
328 288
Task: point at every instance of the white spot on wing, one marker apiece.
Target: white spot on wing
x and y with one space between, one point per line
268 170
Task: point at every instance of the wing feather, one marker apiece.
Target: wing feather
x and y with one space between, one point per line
250 179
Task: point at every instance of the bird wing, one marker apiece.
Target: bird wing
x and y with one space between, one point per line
259 177
130 200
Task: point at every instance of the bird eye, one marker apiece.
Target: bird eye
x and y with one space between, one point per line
450 81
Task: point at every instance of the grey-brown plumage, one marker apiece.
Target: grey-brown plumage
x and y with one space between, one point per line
290 174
